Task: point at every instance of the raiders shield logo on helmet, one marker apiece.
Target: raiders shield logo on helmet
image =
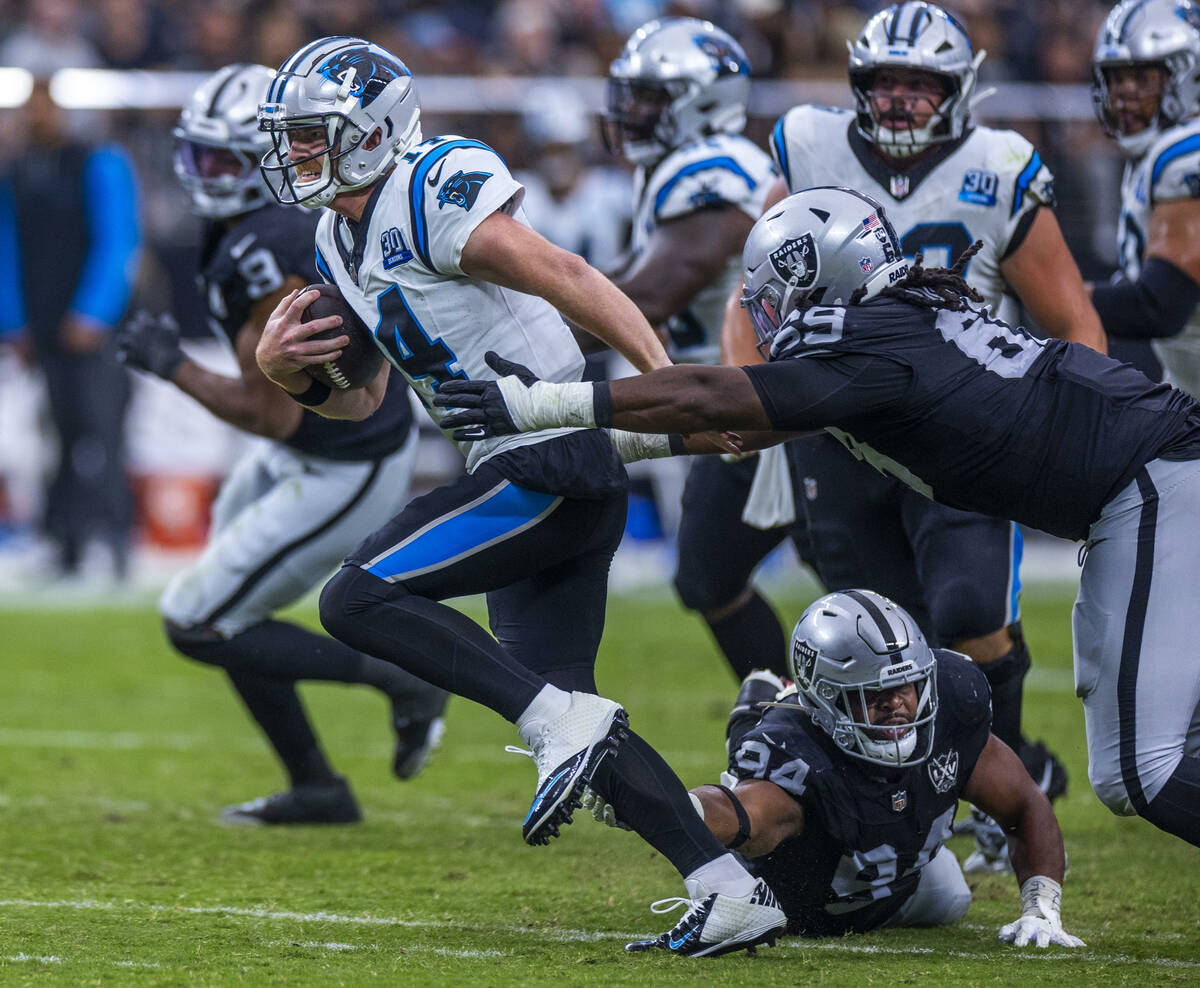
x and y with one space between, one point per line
943 771
795 261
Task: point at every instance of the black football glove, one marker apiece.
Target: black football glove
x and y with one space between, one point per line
483 410
150 343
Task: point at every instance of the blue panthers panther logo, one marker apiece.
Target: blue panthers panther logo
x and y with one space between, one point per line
462 189
726 59
372 72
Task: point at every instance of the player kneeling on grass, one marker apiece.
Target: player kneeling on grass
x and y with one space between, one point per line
843 787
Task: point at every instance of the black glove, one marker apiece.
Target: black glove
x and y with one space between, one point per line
483 409
150 343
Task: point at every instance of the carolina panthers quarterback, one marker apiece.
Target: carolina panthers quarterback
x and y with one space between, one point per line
842 786
676 108
300 498
428 242
912 373
947 183
1147 96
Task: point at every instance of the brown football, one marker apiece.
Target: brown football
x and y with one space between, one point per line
360 358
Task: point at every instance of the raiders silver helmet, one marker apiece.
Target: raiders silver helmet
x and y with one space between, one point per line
677 79
1165 33
849 645
817 247
218 144
914 35
360 96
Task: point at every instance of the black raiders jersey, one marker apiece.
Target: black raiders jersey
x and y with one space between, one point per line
248 258
867 830
975 413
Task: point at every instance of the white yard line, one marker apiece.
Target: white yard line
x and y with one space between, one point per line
568 936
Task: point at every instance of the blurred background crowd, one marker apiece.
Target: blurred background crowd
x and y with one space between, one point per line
523 75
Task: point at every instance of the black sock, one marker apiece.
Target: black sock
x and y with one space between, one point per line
649 797
752 638
1006 677
428 638
273 702
1176 808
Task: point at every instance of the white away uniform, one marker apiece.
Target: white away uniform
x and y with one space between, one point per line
865 529
1169 171
724 170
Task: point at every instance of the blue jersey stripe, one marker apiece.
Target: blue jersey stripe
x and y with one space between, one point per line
323 267
779 143
416 193
724 162
1028 174
1176 150
111 201
503 512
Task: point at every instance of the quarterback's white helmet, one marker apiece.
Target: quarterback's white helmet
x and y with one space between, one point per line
350 89
1165 33
853 643
914 35
218 144
817 247
676 79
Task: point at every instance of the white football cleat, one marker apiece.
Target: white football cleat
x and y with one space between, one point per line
719 923
567 751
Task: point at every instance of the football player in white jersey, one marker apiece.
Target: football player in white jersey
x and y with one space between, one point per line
307 491
427 241
1147 97
946 184
676 108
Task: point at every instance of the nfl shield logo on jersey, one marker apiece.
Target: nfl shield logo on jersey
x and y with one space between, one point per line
943 771
795 260
900 800
899 186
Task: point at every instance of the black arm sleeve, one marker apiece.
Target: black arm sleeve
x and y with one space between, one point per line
1156 306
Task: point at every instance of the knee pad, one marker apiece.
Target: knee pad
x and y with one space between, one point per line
200 642
704 591
1110 789
350 592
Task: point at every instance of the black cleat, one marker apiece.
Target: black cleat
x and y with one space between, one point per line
1044 768
333 803
415 742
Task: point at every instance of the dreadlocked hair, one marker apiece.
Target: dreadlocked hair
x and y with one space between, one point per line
933 288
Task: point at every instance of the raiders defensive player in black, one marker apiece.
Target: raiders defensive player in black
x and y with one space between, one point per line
843 788
902 368
299 500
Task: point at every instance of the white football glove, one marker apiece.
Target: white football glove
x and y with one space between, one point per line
603 812
1039 925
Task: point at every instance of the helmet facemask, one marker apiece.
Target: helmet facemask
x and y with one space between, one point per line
638 123
892 128
1107 97
222 181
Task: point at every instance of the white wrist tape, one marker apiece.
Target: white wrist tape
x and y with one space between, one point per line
544 405
632 446
1041 896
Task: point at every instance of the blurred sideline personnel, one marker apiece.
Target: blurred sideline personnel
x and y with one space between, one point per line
69 247
301 497
578 206
844 787
428 242
1147 96
676 108
947 183
907 368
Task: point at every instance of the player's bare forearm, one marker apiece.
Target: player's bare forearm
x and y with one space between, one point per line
1045 277
739 345
355 404
507 253
772 814
243 406
1000 786
688 399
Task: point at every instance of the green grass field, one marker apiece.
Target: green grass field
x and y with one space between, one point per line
115 757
